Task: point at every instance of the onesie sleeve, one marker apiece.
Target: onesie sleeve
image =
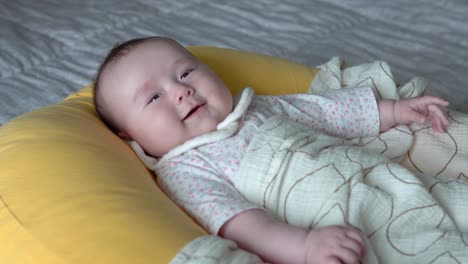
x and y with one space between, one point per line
347 112
201 191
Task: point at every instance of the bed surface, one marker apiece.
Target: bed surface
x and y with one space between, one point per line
49 49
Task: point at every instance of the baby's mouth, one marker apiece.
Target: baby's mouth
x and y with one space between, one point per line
193 111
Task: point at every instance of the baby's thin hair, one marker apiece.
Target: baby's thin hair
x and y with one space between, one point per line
119 50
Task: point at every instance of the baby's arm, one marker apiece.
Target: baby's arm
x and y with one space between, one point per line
257 232
414 110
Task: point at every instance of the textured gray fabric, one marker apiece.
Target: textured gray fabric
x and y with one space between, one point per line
49 49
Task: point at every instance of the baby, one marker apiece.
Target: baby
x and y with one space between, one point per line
152 91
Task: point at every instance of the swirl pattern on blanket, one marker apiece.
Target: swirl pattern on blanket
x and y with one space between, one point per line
437 154
440 154
310 179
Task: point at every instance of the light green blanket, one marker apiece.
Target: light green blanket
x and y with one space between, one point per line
425 227
310 179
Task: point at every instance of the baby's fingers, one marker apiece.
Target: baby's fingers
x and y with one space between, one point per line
347 256
433 100
437 126
355 238
438 119
350 251
351 247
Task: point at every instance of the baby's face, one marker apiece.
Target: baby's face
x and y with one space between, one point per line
161 96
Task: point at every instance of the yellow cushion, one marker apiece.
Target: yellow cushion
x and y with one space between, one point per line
73 192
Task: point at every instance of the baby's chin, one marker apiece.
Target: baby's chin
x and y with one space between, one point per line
205 129
161 152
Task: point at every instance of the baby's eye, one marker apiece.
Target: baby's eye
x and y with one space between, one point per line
153 98
185 74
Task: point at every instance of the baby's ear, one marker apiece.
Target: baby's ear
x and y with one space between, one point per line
124 136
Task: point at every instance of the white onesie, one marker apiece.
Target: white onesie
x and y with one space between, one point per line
198 175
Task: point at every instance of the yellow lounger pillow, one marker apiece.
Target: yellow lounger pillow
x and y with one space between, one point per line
73 192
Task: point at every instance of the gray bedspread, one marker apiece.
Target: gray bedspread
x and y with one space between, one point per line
49 49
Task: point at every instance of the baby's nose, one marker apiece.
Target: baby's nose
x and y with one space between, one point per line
183 92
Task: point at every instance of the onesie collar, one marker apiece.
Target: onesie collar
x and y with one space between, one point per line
223 130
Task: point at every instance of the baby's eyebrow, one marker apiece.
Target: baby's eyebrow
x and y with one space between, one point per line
141 90
182 61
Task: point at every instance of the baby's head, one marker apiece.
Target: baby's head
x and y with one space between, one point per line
152 90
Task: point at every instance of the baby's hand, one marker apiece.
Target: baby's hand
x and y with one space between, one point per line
420 109
335 244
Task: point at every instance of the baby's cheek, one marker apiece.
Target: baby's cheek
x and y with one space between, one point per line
163 143
209 126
